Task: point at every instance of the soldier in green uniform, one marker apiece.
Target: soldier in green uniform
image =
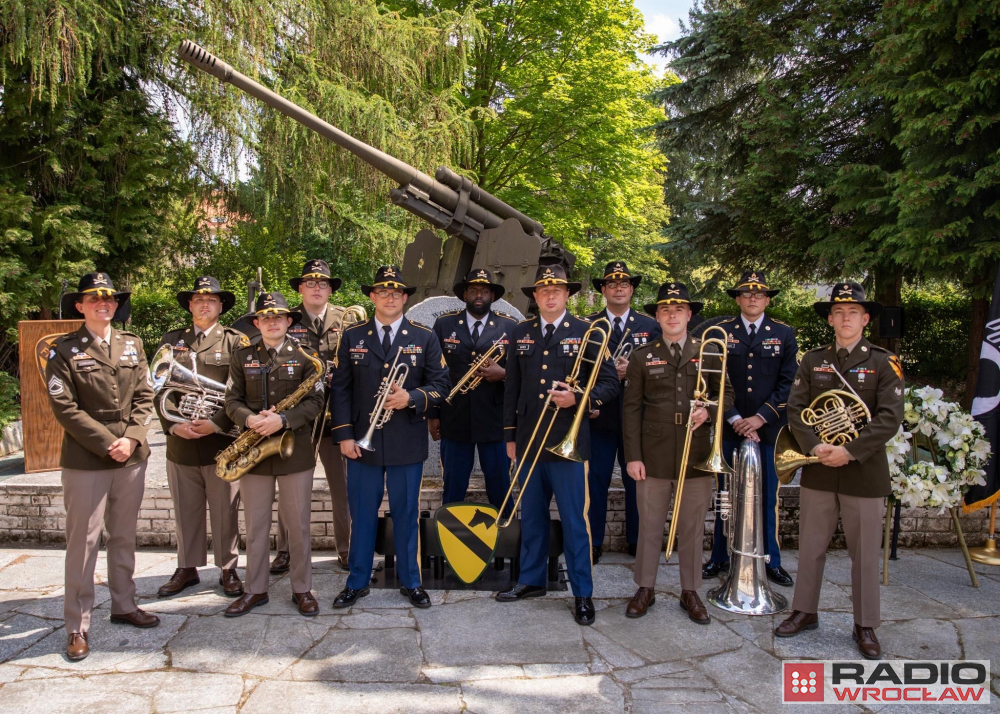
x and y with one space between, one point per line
850 481
101 394
192 445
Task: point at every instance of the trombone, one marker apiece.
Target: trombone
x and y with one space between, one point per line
715 462
597 335
380 415
469 380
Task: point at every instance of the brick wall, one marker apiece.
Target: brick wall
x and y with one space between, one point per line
35 514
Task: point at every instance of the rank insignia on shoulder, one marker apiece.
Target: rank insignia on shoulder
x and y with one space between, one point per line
443 362
56 386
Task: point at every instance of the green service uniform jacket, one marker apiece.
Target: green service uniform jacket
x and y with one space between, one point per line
876 376
257 383
97 399
213 355
657 405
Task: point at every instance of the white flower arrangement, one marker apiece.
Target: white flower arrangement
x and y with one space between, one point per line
953 441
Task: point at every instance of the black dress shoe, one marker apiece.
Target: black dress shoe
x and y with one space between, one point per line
519 592
349 596
595 554
712 569
418 596
632 547
779 576
583 611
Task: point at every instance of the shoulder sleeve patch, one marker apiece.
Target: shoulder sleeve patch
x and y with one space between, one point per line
896 365
244 341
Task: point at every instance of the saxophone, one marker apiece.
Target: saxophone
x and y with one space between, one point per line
236 460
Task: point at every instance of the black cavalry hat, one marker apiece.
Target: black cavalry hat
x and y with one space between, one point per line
753 281
275 304
99 283
847 293
206 285
673 294
616 270
551 275
389 276
316 269
479 276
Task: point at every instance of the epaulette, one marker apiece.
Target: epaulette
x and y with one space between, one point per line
421 326
63 338
456 312
356 325
728 320
527 319
780 322
504 315
883 349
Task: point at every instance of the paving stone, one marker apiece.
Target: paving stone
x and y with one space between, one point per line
486 632
902 602
113 648
758 629
362 656
71 695
919 639
325 586
11 600
10 672
979 640
689 679
444 675
190 602
948 584
654 670
360 620
540 671
263 646
654 704
50 605
454 596
20 632
37 572
748 674
831 640
675 697
9 555
321 697
594 693
613 581
610 651
666 633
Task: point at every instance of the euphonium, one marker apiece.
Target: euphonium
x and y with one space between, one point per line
469 380
236 460
596 334
836 416
380 415
198 397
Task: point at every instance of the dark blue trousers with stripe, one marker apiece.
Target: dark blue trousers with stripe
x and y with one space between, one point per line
457 458
366 487
606 447
568 482
720 553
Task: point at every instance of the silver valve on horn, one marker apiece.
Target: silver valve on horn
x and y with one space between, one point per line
197 396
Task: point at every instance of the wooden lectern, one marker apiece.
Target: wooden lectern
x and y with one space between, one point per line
42 433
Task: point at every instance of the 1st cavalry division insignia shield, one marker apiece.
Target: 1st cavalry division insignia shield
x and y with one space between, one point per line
468 535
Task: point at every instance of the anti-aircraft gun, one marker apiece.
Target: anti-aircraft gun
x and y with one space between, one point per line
483 230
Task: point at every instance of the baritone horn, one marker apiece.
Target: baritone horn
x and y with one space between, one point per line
469 380
596 335
198 397
836 416
380 416
714 463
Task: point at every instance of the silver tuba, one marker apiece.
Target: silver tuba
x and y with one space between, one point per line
198 397
747 590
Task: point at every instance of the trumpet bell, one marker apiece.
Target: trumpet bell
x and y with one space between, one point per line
365 443
787 457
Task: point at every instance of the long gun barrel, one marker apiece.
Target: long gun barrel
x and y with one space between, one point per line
449 201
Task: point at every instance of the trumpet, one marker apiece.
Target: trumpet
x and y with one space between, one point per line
597 335
624 348
715 462
380 415
469 380
199 396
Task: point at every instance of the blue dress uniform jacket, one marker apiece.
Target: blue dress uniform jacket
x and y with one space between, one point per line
532 367
361 365
761 371
643 331
475 417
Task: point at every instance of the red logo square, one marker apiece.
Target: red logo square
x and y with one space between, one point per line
803 682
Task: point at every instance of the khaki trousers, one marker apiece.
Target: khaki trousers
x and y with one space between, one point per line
91 498
257 492
654 499
192 487
336 476
862 517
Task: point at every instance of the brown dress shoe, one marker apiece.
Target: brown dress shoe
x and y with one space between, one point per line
868 644
77 647
695 607
795 623
230 582
245 604
307 604
280 562
139 618
640 602
342 562
181 579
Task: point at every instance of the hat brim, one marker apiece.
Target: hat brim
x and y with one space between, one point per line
366 290
122 312
294 314
459 289
228 299
696 307
335 283
574 288
599 282
735 292
823 308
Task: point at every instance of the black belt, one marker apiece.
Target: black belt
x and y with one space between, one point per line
109 414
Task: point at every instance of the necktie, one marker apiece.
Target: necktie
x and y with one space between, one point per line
197 340
675 352
753 331
841 357
549 330
476 331
386 342
617 333
271 353
318 325
106 348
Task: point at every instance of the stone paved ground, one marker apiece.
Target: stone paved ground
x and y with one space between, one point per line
467 652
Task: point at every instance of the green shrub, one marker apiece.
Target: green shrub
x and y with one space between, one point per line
10 406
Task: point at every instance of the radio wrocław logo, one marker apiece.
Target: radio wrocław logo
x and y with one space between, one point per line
954 682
